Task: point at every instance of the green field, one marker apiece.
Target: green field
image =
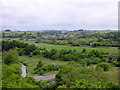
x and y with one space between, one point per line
113 75
33 61
110 50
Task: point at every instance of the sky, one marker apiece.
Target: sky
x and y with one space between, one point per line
59 14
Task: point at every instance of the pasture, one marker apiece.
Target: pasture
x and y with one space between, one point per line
110 50
33 61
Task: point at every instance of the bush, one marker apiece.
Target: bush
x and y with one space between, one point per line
63 86
11 78
21 51
42 84
36 52
68 74
26 48
86 84
42 69
10 57
104 65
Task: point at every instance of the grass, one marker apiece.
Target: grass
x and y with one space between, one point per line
50 73
112 75
110 50
33 61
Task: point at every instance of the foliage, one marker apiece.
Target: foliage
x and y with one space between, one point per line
78 52
62 86
21 51
68 74
84 57
42 69
11 78
45 84
10 57
71 77
25 48
86 84
78 38
104 65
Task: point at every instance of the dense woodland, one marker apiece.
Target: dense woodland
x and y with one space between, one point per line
84 68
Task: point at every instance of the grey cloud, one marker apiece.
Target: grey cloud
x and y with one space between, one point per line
59 14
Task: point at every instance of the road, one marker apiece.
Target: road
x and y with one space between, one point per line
23 70
47 78
37 77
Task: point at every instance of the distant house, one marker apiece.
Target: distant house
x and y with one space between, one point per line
110 57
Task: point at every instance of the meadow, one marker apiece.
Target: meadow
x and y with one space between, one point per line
33 61
110 50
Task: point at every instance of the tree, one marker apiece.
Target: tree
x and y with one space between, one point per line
21 51
39 65
11 78
29 48
10 57
86 84
38 69
46 54
84 50
36 52
53 52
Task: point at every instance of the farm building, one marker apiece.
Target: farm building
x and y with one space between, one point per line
110 57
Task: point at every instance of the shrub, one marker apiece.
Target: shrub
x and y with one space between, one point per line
10 57
42 84
36 52
11 78
86 84
63 86
21 51
104 65
42 69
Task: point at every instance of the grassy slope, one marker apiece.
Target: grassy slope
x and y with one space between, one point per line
33 61
112 74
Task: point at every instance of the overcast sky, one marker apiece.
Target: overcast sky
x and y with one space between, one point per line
59 14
